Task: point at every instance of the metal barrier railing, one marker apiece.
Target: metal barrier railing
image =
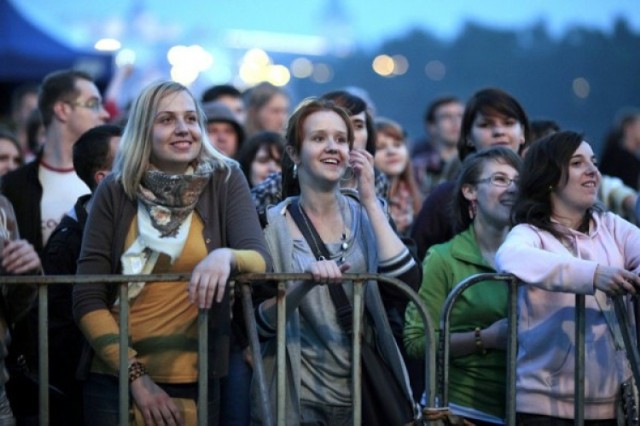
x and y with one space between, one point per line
244 280
580 322
445 334
358 293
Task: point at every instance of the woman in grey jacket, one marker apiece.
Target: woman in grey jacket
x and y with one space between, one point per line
355 229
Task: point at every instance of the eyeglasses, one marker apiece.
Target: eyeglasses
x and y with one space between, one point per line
499 180
93 104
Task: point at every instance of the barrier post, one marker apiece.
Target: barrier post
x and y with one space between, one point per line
123 372
43 355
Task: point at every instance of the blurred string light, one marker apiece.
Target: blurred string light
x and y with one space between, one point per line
256 66
581 87
389 66
187 62
108 45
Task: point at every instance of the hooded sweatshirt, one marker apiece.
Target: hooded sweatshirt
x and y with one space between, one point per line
552 272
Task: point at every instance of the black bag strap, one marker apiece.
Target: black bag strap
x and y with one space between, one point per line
320 251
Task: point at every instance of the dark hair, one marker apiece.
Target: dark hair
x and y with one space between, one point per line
470 172
295 135
486 102
56 86
92 152
20 92
272 141
216 92
355 105
34 123
545 168
432 108
7 134
542 128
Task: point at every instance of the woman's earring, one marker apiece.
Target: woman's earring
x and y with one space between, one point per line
473 209
295 171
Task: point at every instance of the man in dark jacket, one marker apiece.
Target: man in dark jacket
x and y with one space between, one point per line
93 156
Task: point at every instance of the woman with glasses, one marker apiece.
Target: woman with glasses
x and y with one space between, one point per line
484 194
563 244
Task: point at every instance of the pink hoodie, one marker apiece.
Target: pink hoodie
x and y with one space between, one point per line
546 310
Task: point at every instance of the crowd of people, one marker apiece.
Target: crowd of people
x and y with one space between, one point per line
246 181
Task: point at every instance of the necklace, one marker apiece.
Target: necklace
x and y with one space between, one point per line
344 244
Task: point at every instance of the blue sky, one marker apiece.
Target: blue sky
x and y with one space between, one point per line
369 21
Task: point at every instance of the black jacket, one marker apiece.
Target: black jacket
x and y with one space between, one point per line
22 187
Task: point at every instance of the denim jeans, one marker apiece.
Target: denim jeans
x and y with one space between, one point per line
235 391
312 414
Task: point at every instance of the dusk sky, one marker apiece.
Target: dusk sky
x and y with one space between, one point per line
369 20
226 29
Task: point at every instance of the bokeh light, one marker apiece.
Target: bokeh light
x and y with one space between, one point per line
107 45
322 73
581 87
301 68
383 65
400 64
435 70
125 57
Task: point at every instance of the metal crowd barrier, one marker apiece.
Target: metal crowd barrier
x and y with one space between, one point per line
580 322
245 281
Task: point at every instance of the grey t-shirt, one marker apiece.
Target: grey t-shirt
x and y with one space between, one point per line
325 348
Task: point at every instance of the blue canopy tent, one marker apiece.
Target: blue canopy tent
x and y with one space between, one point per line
28 54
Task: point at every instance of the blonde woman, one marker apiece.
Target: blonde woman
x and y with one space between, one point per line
172 204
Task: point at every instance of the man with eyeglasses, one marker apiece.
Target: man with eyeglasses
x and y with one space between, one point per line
45 189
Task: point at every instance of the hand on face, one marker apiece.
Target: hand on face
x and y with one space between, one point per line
362 163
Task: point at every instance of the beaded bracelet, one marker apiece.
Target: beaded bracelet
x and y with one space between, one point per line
479 344
136 370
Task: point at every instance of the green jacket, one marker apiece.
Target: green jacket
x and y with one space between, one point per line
476 381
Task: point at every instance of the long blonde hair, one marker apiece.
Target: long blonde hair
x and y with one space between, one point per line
134 152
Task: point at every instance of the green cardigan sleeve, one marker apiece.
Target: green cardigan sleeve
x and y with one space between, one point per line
433 291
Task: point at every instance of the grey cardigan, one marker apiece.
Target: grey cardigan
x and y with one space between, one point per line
280 243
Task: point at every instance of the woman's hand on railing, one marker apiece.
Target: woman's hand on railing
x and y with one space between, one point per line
210 277
327 271
156 406
615 281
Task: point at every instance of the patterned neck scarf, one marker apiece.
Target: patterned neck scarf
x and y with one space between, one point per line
169 199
